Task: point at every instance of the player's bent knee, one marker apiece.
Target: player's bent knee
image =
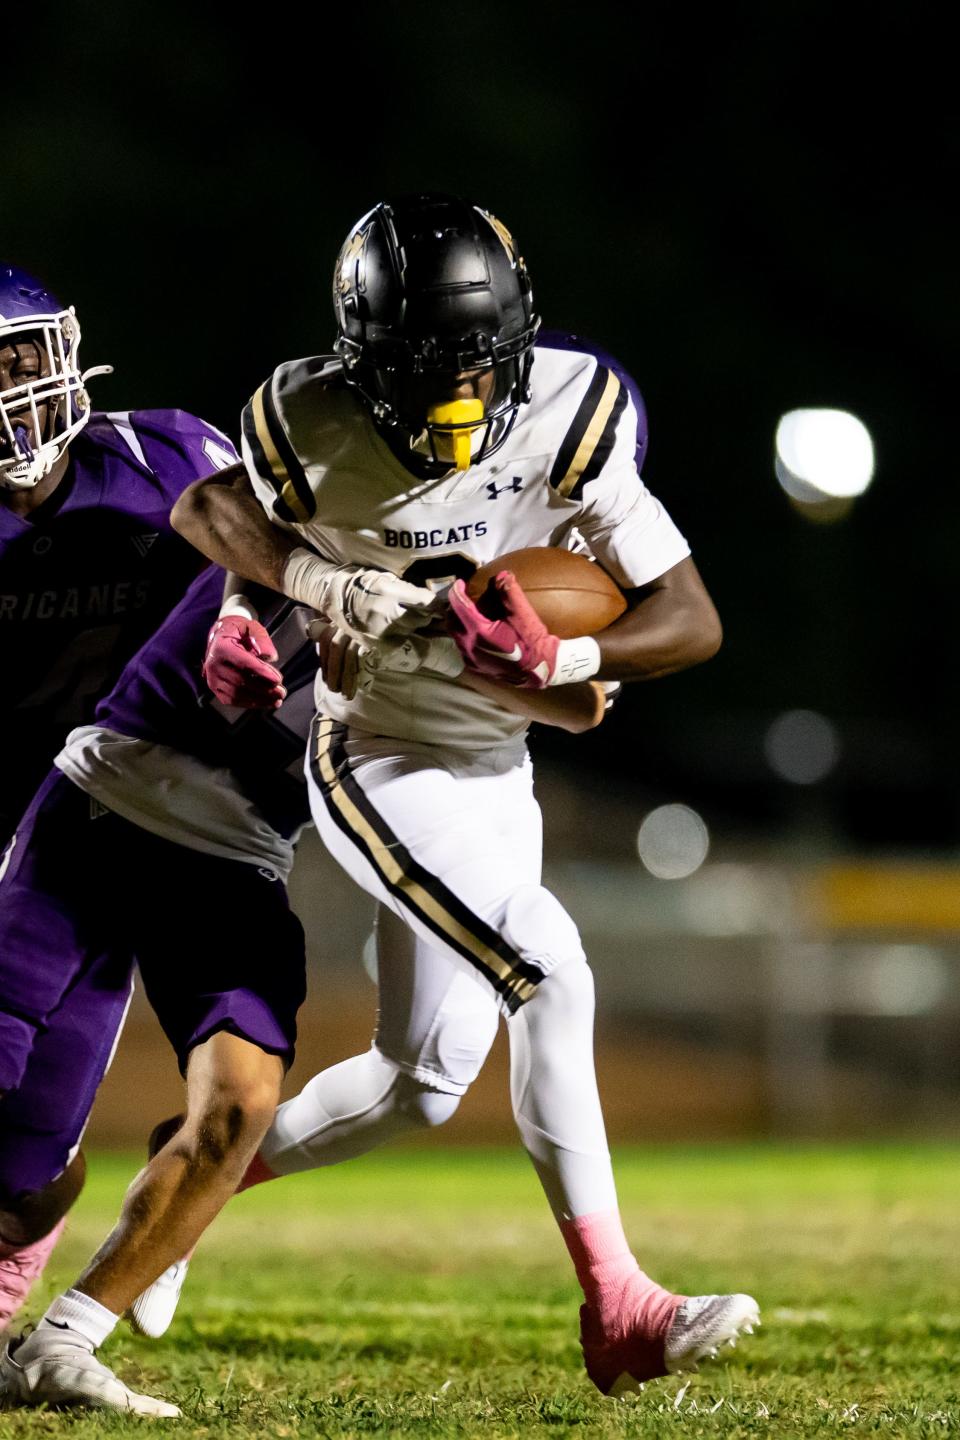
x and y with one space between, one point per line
233 1120
568 992
573 982
424 1106
226 1130
536 924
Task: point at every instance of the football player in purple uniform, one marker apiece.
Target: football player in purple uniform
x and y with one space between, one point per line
89 566
166 799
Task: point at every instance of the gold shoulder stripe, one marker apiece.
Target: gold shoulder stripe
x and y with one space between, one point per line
282 482
592 435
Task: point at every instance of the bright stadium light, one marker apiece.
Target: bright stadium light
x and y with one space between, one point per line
673 842
823 457
802 746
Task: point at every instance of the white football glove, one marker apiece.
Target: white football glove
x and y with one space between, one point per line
365 603
369 604
348 666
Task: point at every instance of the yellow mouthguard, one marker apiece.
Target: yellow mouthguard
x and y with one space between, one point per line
455 444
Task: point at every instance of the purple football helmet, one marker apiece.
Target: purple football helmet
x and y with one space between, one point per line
40 416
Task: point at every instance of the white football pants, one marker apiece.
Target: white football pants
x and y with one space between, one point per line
450 844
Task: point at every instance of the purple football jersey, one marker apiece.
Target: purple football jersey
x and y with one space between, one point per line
161 697
88 576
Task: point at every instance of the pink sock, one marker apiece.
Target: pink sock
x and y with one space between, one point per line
20 1266
257 1173
616 1290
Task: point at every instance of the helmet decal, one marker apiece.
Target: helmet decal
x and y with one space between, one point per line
348 262
506 239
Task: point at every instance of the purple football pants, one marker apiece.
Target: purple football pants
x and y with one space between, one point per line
84 895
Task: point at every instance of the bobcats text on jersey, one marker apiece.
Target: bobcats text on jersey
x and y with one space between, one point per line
321 469
432 539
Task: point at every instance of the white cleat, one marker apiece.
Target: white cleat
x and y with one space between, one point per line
47 1369
154 1308
704 1323
696 1328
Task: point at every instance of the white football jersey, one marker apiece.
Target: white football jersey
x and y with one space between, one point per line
320 468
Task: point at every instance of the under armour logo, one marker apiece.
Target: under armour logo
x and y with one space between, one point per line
493 489
142 543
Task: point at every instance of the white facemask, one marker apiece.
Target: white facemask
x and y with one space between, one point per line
38 444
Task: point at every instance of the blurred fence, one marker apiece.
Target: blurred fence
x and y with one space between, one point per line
782 991
838 982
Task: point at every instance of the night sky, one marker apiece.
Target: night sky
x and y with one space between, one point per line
753 212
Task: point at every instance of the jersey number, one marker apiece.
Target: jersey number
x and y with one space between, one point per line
439 571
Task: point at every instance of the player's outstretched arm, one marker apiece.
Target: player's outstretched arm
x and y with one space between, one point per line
239 665
223 519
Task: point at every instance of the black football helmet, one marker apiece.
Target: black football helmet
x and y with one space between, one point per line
426 288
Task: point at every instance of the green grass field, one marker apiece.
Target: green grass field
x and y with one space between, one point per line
428 1294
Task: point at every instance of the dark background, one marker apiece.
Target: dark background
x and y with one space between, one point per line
754 210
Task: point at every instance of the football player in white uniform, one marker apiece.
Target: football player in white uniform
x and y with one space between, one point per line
429 444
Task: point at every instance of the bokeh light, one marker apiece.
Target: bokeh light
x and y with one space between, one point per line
802 746
673 842
823 460
898 980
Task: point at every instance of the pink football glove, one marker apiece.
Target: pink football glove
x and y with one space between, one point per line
517 649
237 665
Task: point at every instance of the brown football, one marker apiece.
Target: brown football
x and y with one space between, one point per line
570 593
